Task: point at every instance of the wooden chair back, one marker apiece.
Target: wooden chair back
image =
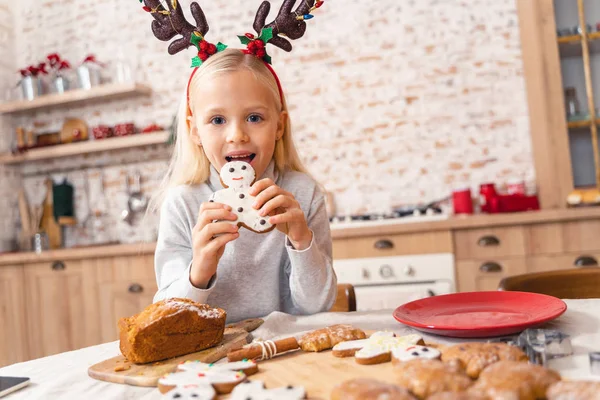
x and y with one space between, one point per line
345 300
579 283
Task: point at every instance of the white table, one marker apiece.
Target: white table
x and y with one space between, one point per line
64 376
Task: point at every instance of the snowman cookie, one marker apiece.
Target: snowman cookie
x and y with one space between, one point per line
255 390
237 177
189 392
411 352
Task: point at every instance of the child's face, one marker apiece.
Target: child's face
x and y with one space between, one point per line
235 118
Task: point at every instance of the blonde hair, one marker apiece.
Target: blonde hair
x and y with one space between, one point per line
189 165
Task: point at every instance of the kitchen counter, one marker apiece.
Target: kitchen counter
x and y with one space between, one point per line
338 231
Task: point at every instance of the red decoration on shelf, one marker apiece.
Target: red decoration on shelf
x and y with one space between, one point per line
102 132
152 128
462 201
492 202
124 129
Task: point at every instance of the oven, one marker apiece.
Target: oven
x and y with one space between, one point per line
388 282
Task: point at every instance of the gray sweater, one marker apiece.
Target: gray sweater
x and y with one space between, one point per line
258 273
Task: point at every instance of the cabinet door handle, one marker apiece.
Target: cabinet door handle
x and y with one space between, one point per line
135 288
490 267
384 244
488 241
586 261
58 266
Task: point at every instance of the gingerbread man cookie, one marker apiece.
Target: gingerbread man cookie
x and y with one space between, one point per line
376 349
326 338
529 381
475 356
369 389
222 378
237 177
255 390
425 378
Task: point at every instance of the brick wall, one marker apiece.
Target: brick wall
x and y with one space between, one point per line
392 102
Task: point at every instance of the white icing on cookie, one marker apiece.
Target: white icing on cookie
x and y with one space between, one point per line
237 177
255 390
195 392
416 351
198 366
379 343
185 378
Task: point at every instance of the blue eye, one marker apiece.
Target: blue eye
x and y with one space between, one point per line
254 118
217 121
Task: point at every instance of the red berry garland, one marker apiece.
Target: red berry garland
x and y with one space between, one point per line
256 47
206 50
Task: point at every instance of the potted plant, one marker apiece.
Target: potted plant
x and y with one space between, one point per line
89 72
31 81
59 69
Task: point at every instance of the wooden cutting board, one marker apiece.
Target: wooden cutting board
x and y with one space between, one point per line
235 337
317 372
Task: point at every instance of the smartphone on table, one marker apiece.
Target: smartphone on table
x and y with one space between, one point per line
9 384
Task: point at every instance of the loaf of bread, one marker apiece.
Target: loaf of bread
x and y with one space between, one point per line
170 328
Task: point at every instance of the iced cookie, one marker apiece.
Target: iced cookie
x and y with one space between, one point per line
223 381
376 349
248 367
326 338
426 377
255 390
369 389
195 392
530 381
475 356
237 177
402 354
570 390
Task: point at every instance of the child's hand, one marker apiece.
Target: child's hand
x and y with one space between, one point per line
207 248
288 217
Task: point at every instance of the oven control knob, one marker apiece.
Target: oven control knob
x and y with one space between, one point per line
386 271
365 273
409 271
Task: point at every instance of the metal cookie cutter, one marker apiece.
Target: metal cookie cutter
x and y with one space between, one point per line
595 362
542 345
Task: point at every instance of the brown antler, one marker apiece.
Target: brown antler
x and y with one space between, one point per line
285 23
169 23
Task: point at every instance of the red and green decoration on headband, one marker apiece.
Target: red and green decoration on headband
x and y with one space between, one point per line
205 49
256 45
170 22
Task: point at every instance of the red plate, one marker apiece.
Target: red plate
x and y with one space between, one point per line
479 314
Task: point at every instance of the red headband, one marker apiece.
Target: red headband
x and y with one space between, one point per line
266 64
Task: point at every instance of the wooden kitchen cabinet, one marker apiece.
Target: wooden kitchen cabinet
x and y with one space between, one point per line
13 343
489 243
477 275
126 286
393 245
61 298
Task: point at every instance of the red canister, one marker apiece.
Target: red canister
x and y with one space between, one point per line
487 193
462 201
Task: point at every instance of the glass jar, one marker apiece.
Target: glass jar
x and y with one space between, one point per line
571 103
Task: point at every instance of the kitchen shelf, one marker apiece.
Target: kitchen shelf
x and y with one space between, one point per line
86 147
584 123
111 91
570 46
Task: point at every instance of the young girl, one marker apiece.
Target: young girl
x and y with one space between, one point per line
234 109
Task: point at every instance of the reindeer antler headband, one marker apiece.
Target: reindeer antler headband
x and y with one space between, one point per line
170 22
